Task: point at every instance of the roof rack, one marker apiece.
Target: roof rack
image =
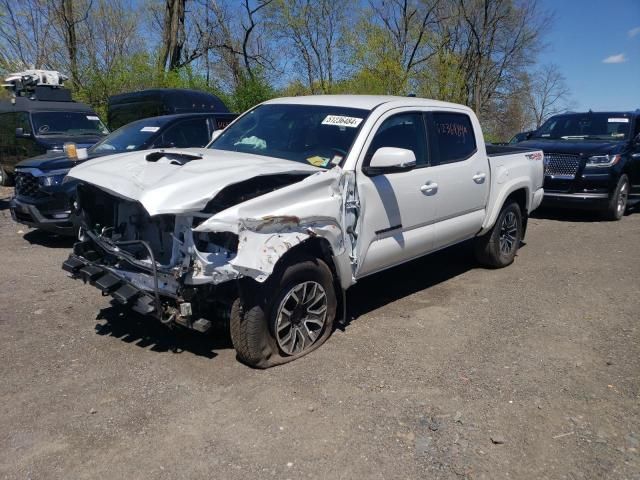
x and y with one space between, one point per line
45 85
29 79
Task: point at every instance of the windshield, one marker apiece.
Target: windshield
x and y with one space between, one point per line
130 137
68 123
312 134
599 126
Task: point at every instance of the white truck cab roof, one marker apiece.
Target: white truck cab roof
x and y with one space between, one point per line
367 102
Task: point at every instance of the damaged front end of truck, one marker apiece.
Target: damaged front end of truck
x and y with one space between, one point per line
183 263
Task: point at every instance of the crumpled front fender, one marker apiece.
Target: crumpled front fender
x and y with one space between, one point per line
271 225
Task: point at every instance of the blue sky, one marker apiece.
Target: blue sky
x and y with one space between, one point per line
586 32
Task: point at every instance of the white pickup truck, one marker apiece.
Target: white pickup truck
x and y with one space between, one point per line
289 206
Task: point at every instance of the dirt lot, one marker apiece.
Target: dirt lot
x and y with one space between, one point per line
446 371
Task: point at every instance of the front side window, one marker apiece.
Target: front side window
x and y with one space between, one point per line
453 137
403 130
22 121
68 123
188 133
317 135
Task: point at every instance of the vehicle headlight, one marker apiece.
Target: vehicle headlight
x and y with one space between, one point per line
603 160
51 180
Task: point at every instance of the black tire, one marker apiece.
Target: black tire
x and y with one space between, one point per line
254 315
618 201
490 248
5 179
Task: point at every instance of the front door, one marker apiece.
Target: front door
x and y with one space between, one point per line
397 212
635 162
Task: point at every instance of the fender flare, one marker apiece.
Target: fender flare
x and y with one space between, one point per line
495 205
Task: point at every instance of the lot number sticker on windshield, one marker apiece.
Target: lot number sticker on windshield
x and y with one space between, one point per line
618 120
149 129
341 121
92 117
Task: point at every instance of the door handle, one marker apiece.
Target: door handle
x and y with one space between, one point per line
429 188
479 177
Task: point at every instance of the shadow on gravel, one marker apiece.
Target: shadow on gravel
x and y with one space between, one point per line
50 240
146 332
385 287
571 215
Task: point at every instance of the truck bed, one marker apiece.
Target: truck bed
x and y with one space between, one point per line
497 150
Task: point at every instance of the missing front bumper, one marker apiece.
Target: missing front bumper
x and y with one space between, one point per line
111 284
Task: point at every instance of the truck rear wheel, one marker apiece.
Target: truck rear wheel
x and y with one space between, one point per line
618 201
498 247
289 316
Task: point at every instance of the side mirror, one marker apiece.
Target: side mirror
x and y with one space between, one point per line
390 160
20 133
216 134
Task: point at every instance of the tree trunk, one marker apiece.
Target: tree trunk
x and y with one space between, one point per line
71 39
172 35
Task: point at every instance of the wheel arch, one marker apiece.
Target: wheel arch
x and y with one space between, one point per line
517 191
318 248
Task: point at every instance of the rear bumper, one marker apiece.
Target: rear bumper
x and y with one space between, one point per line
29 214
590 201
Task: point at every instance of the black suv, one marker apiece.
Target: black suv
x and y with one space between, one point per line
591 160
43 201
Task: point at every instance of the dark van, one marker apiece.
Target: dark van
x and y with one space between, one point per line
45 120
128 107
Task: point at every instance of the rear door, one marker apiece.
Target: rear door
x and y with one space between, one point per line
397 216
459 174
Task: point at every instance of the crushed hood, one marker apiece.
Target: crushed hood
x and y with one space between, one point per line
163 187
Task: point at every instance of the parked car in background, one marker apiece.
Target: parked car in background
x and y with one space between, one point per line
40 117
592 160
128 107
289 206
42 200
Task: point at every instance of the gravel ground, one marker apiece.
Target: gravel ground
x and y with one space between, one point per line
447 370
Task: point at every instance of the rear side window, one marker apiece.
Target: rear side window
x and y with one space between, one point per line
453 137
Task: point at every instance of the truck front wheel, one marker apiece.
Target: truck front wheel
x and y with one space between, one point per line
498 247
285 318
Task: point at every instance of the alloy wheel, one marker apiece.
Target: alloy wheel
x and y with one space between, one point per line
508 233
301 317
622 198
